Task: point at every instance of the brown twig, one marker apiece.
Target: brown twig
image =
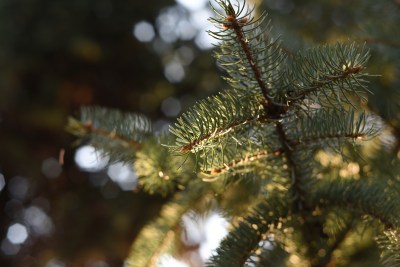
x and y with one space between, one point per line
90 129
236 24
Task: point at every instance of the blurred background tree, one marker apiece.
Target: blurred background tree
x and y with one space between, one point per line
153 58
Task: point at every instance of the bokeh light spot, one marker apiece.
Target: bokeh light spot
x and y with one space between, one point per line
216 229
144 31
192 235
200 19
185 29
38 220
90 159
123 175
174 72
17 234
192 5
204 231
167 22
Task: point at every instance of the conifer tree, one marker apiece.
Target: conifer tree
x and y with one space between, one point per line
288 135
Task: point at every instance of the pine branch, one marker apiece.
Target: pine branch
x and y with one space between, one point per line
252 147
325 127
329 75
130 127
118 135
236 21
244 45
212 119
87 129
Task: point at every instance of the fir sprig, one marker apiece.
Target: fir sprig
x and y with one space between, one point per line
329 75
210 120
326 127
240 152
128 127
116 134
251 60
